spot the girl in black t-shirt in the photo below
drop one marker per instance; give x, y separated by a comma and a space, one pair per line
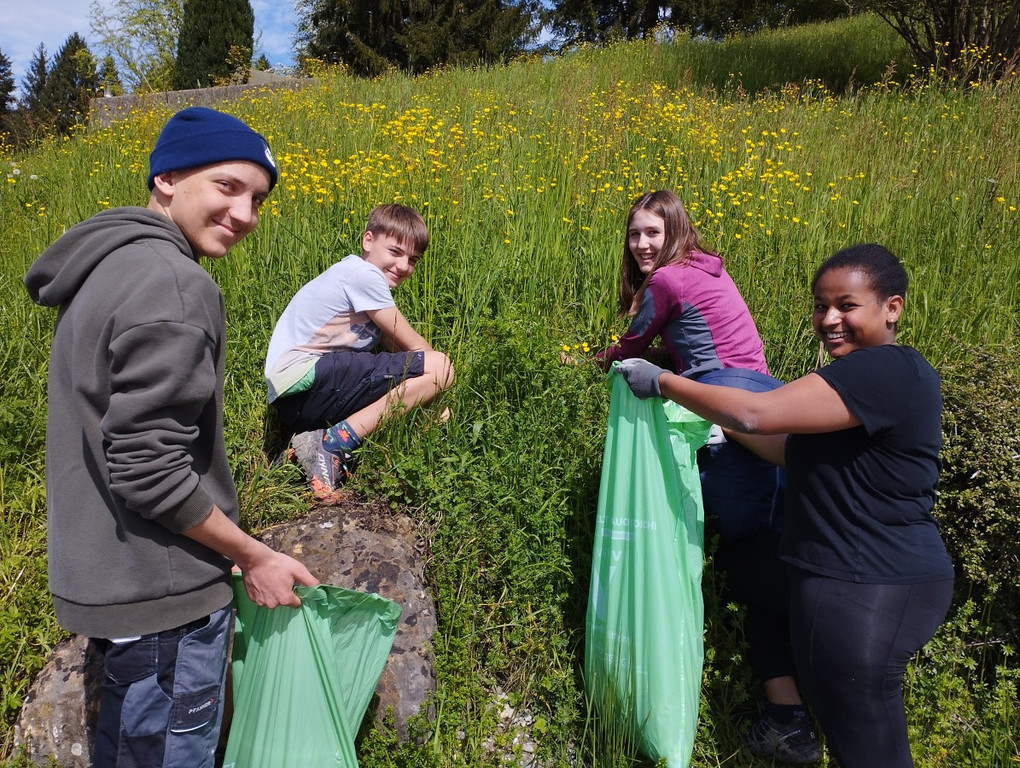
860, 439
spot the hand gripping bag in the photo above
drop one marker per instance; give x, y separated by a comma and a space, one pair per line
644, 645
303, 678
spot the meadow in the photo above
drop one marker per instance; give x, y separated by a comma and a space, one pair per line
785, 146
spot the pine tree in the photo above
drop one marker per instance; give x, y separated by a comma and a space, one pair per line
467, 32
719, 18
70, 84
7, 113
209, 30
34, 82
597, 21
6, 86
362, 34
372, 36
109, 78
492, 31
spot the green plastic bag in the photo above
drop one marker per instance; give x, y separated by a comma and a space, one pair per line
644, 646
303, 678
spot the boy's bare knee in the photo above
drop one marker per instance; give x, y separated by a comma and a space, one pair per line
439, 368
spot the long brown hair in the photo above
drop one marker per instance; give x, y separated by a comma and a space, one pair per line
680, 237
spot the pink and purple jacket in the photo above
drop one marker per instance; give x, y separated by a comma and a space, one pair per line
701, 317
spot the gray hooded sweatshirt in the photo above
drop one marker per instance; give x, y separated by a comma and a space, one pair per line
134, 441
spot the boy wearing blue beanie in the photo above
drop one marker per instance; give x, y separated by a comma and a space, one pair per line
200, 136
142, 509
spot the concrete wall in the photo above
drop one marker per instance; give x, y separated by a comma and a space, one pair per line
106, 110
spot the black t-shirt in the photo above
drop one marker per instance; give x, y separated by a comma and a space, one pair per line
859, 500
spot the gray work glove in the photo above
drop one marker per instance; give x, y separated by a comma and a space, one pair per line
641, 376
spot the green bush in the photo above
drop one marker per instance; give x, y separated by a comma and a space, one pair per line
979, 501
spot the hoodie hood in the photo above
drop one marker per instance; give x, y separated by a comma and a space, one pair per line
60, 271
709, 263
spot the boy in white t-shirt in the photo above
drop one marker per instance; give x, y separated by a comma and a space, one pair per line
321, 370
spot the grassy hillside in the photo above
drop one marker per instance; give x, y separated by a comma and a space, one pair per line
785, 147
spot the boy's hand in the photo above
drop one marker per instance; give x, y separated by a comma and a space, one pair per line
269, 576
271, 579
641, 376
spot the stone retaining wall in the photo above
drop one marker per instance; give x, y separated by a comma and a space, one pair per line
106, 110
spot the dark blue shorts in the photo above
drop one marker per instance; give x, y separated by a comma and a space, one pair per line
346, 382
743, 493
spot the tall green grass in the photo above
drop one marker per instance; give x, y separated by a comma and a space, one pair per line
524, 175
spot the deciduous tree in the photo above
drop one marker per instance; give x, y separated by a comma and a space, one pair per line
963, 38
141, 35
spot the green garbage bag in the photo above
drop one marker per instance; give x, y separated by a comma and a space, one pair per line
303, 678
643, 645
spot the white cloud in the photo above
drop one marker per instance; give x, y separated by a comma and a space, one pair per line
275, 22
49, 22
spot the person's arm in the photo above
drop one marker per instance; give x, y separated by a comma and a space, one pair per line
269, 576
163, 379
397, 333
646, 325
806, 405
771, 448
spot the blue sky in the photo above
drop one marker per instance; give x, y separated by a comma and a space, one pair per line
50, 22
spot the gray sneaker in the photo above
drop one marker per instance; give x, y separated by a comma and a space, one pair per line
333, 467
794, 742
326, 470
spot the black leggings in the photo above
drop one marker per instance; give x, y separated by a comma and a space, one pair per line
756, 577
851, 643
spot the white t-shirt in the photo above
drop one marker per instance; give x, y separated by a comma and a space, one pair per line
328, 314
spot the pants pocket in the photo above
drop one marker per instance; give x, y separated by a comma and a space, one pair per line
199, 682
193, 711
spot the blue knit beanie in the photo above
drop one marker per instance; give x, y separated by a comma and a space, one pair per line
199, 136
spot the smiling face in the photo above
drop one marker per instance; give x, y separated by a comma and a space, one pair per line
395, 258
215, 206
645, 238
849, 314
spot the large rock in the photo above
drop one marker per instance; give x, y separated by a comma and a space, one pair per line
350, 544
368, 548
59, 716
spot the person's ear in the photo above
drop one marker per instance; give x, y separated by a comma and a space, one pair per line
894, 308
164, 183
366, 240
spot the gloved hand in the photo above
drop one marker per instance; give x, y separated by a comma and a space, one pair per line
641, 376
